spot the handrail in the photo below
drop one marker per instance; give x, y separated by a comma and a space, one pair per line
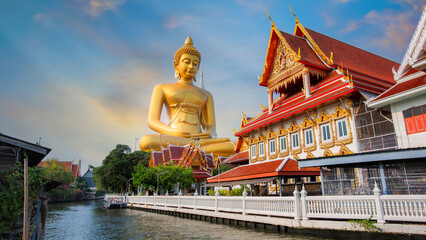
406, 208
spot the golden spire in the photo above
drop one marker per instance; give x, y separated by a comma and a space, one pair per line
188, 40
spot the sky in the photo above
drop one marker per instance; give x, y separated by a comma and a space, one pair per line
78, 75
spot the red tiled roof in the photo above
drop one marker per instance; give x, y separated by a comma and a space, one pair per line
75, 170
355, 59
175, 151
166, 155
156, 158
401, 87
66, 164
306, 53
331, 87
210, 161
238, 157
200, 174
265, 169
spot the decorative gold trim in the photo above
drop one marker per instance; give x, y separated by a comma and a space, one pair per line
327, 153
315, 47
309, 155
276, 150
345, 151
323, 119
282, 131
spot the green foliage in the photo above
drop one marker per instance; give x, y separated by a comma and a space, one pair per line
12, 194
223, 168
57, 172
367, 224
167, 175
223, 192
81, 184
118, 167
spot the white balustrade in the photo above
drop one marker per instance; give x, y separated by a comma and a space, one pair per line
407, 208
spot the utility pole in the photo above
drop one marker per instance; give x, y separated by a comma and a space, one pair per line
26, 222
136, 140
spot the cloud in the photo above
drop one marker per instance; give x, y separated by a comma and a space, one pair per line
329, 20
178, 20
342, 1
42, 19
97, 7
417, 5
392, 29
251, 6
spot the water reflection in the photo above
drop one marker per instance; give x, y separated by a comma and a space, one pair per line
89, 220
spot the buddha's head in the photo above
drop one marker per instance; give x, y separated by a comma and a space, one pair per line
187, 61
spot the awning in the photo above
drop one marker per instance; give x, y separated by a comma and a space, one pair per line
241, 182
389, 155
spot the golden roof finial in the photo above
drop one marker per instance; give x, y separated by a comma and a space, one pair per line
272, 22
297, 20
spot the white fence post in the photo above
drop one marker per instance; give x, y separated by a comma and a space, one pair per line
296, 203
244, 201
379, 205
165, 200
195, 199
180, 196
304, 193
146, 198
155, 198
215, 201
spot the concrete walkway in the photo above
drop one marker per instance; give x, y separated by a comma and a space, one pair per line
278, 224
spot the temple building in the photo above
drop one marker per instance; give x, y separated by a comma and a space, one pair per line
401, 171
318, 89
189, 155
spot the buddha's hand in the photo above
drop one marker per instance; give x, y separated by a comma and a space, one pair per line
179, 133
202, 135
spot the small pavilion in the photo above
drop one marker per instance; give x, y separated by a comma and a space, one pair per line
273, 171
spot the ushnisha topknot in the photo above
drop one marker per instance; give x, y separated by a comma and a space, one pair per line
187, 48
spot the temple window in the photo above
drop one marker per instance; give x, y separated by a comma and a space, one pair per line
374, 128
342, 128
283, 144
415, 119
272, 148
261, 149
253, 151
309, 140
325, 132
295, 140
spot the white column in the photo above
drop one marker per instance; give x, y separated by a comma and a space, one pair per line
297, 215
195, 199
306, 83
270, 100
303, 194
244, 201
379, 205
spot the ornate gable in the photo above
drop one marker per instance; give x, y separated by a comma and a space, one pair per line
285, 57
279, 56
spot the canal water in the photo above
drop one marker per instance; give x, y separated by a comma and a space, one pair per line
89, 220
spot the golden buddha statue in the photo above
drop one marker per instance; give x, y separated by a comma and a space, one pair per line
190, 109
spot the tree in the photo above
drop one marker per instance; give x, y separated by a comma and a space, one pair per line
81, 184
223, 168
117, 168
57, 172
12, 194
168, 176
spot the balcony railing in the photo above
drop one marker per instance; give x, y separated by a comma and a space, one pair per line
405, 208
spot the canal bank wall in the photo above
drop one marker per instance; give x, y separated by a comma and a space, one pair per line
320, 228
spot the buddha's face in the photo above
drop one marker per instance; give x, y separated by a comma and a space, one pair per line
188, 66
